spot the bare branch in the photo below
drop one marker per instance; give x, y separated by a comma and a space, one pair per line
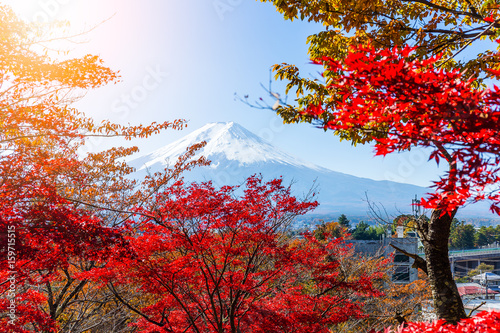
418, 263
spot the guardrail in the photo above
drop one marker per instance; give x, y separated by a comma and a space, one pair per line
460, 253
473, 252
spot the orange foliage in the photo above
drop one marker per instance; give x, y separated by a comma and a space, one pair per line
57, 209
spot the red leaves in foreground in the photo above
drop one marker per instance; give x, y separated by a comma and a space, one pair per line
399, 102
484, 322
208, 260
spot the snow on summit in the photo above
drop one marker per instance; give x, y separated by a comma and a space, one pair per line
226, 142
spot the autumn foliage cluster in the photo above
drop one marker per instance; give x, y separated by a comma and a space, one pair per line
403, 103
249, 277
484, 322
399, 102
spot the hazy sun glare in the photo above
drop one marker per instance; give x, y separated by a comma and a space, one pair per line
41, 11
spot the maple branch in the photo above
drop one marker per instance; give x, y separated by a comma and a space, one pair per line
471, 7
75, 291
419, 263
68, 38
484, 32
128, 212
443, 151
66, 135
111, 287
462, 34
67, 285
441, 46
172, 292
211, 294
50, 300
445, 9
475, 308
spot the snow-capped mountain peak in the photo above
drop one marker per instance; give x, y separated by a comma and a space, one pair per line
226, 142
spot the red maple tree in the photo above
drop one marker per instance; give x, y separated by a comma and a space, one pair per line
205, 260
399, 102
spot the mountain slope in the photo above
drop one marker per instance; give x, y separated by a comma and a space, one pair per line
237, 153
225, 142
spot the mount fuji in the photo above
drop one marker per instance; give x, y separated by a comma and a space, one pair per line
236, 153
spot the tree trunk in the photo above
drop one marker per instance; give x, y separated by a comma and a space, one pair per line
435, 235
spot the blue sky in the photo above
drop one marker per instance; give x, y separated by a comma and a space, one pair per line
186, 59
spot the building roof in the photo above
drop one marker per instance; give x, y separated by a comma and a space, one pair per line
486, 276
473, 289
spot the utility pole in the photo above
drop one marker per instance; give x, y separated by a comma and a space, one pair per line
415, 207
486, 283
